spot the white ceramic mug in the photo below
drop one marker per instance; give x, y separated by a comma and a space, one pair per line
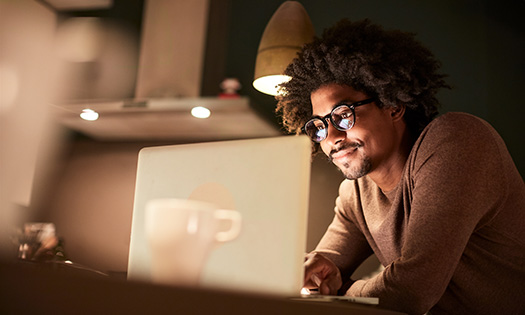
181, 234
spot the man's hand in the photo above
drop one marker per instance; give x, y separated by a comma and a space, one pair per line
321, 272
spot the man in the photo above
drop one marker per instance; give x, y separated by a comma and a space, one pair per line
439, 201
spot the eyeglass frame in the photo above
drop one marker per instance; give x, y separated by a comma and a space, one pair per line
325, 119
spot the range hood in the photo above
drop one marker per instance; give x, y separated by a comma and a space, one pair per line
167, 119
167, 79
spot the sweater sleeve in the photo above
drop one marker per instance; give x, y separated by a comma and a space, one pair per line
455, 182
343, 243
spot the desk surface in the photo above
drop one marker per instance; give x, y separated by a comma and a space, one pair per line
26, 290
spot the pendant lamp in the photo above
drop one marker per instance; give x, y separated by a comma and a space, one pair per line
287, 31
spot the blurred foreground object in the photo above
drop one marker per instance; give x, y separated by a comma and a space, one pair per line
38, 241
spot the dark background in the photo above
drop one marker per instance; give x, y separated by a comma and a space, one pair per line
480, 44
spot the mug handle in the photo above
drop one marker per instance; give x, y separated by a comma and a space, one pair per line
235, 228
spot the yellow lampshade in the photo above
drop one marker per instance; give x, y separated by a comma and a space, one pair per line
287, 31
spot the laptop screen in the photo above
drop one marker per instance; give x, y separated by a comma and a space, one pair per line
266, 180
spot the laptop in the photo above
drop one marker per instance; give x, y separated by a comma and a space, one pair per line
267, 180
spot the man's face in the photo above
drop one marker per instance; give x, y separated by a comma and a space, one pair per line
368, 145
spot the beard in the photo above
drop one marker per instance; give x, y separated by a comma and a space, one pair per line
359, 166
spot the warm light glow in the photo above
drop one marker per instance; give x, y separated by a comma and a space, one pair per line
200, 112
268, 84
89, 114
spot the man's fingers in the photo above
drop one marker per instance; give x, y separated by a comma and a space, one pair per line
329, 286
321, 273
316, 280
311, 281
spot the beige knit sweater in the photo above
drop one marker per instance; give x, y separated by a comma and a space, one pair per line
451, 235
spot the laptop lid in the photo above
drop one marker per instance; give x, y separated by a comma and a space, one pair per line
266, 180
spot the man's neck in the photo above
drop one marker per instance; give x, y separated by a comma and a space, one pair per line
388, 175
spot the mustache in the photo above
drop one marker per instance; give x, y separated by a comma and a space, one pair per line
344, 146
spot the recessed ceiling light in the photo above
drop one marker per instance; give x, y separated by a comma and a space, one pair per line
89, 114
200, 112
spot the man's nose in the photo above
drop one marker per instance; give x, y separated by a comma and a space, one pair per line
333, 135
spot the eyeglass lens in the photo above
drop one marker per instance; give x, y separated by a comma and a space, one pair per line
342, 118
316, 129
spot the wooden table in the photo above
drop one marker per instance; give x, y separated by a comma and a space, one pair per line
48, 289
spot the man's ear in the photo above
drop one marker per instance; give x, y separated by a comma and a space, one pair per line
398, 112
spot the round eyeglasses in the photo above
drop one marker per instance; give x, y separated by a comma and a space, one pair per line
342, 117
